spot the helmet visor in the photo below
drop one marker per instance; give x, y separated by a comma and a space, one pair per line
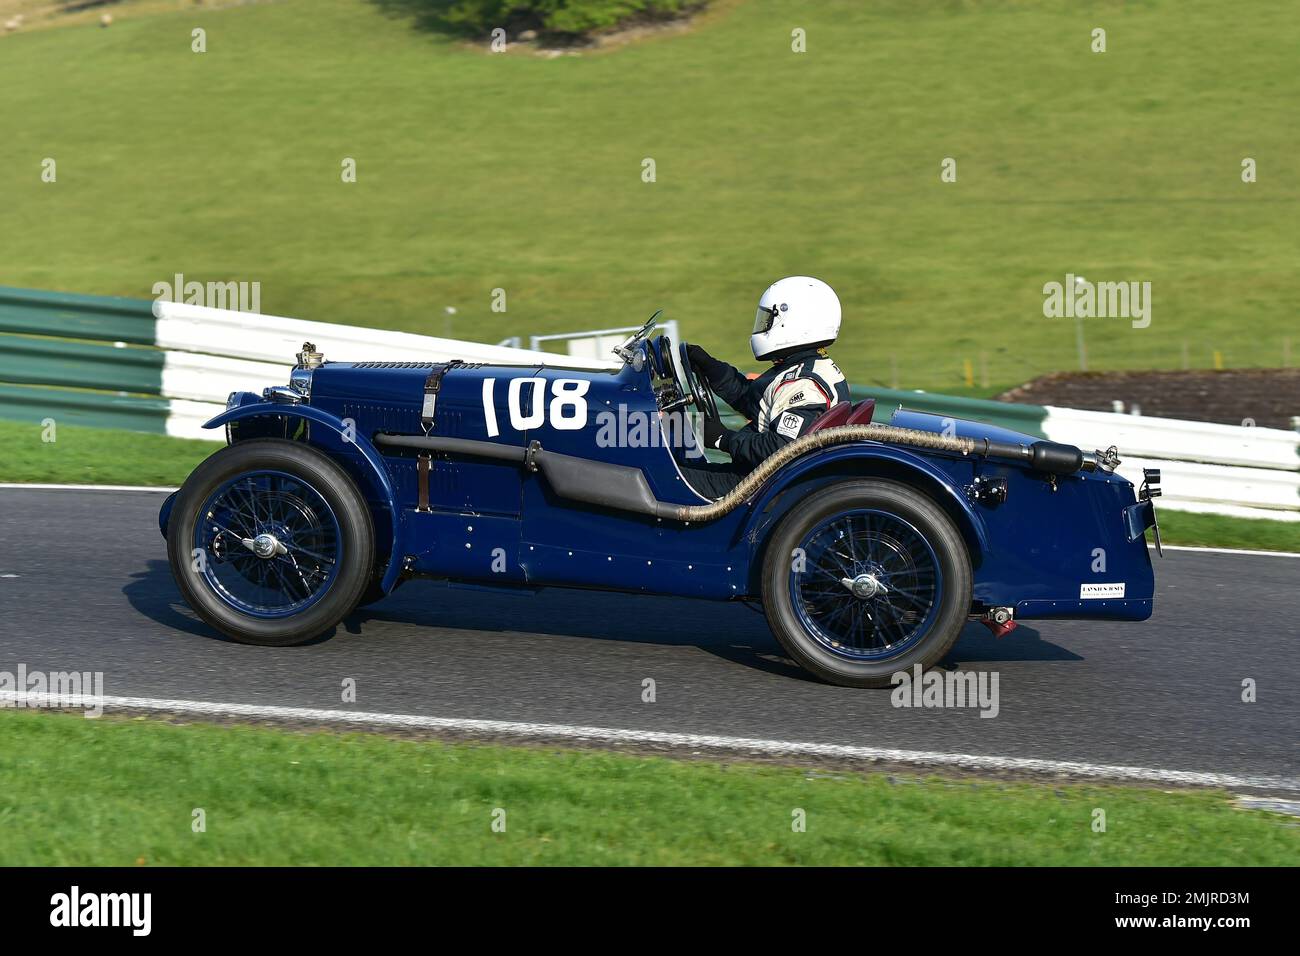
763, 321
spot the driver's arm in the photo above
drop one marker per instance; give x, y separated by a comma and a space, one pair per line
748, 447
728, 383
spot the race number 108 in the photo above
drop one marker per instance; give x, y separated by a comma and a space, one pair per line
566, 410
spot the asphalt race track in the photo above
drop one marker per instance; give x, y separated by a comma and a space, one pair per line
84, 585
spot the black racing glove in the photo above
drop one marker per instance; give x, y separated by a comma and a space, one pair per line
717, 435
704, 363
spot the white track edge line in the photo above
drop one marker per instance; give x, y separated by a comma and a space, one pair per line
1265, 554
42, 487
707, 741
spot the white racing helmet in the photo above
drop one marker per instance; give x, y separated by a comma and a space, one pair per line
797, 312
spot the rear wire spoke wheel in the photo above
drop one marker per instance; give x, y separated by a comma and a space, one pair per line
271, 542
866, 578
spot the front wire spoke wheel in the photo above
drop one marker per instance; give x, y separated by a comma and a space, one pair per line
272, 542
278, 513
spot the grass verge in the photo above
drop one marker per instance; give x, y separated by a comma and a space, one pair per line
1221, 531
123, 791
81, 455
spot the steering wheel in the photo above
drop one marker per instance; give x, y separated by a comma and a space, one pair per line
694, 386
691, 390
659, 350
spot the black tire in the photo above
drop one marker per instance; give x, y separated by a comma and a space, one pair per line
355, 533
951, 606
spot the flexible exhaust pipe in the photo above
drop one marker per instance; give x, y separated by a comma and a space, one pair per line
1042, 456
625, 488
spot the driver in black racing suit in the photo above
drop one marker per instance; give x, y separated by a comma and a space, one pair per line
797, 318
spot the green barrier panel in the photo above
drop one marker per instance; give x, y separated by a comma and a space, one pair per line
102, 318
34, 361
1020, 418
96, 409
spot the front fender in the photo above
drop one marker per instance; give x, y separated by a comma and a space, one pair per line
867, 459
362, 444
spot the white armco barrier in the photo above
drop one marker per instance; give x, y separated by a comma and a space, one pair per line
213, 352
276, 339
185, 419
210, 378
1175, 439
1206, 467
1221, 489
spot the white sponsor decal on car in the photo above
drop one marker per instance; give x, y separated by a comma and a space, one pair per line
789, 425
1089, 592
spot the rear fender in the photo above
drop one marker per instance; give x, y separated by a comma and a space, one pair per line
860, 460
373, 471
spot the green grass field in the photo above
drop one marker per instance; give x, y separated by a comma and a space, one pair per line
479, 171
97, 456
104, 456
124, 792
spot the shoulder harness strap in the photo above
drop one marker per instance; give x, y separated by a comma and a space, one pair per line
432, 384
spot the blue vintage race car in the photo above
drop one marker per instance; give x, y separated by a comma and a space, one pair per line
868, 545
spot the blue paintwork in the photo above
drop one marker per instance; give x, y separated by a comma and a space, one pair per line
494, 523
943, 478
959, 427
356, 454
165, 512
1044, 541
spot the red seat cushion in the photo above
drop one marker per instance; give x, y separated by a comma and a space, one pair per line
832, 417
845, 413
862, 412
